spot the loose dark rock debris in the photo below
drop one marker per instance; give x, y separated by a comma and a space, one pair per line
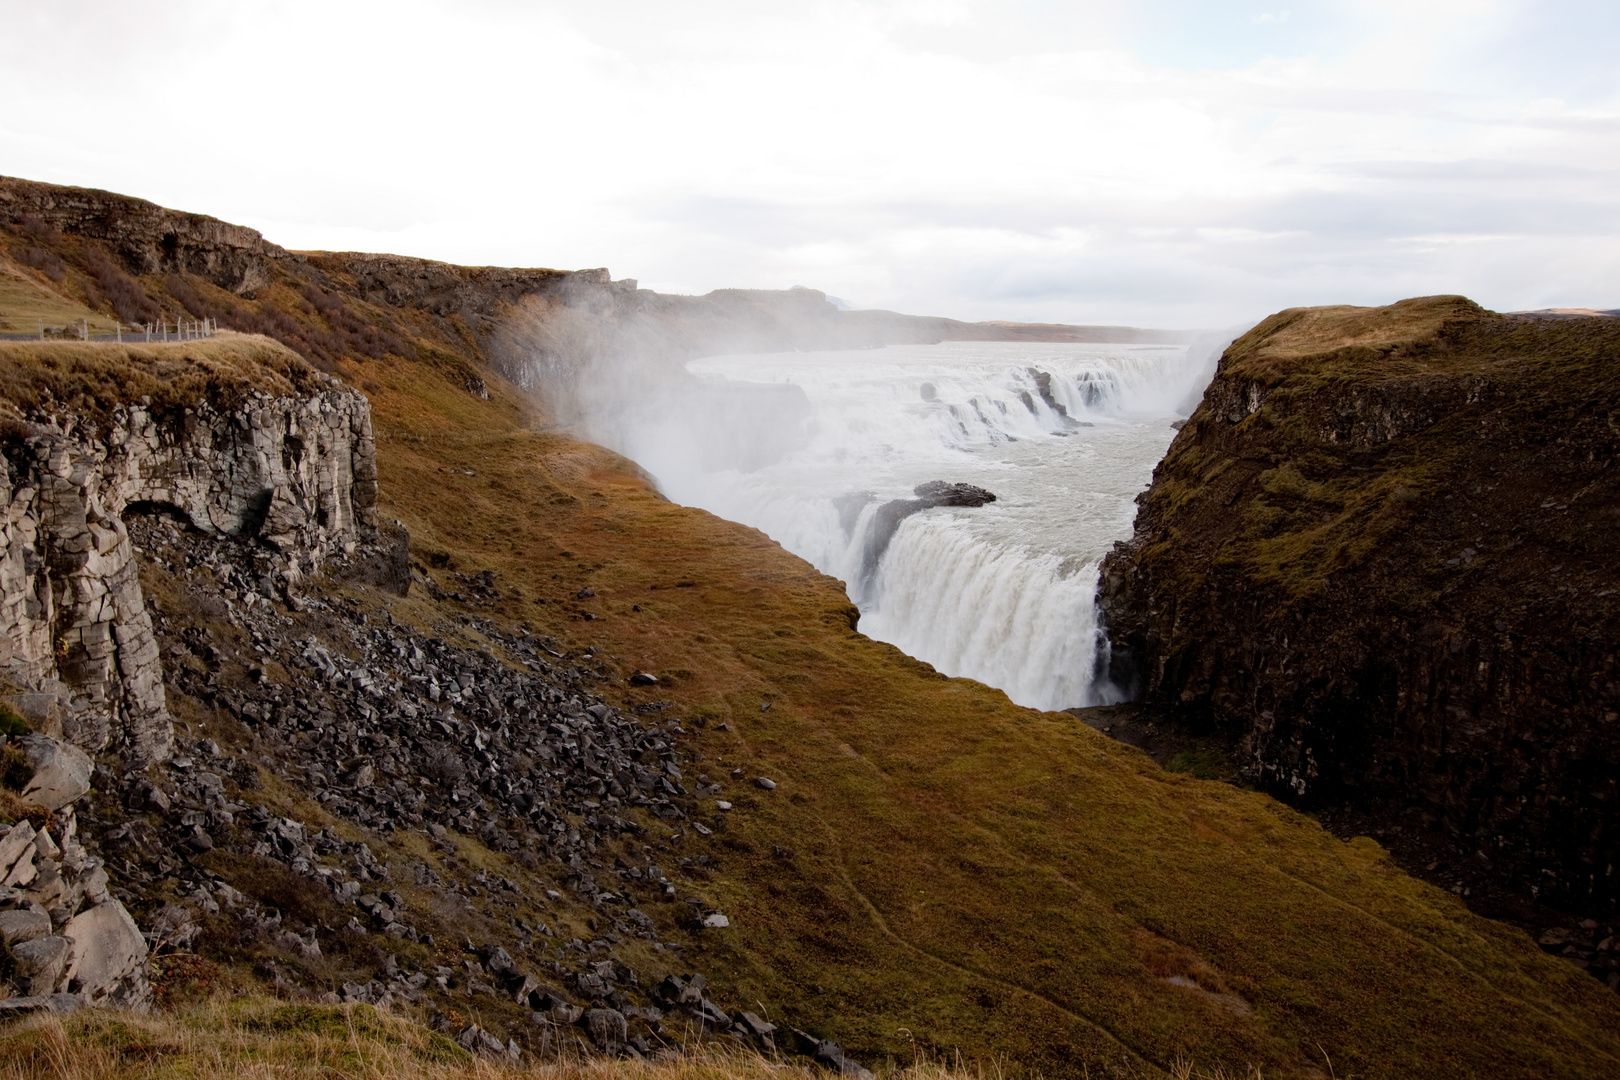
398, 733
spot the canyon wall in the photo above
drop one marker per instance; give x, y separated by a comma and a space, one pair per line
1382, 558
296, 470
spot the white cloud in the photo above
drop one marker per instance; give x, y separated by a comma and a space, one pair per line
1166, 161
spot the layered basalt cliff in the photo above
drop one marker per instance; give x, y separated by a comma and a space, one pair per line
148, 238
295, 469
1382, 557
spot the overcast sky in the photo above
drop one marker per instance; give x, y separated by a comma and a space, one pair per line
1163, 162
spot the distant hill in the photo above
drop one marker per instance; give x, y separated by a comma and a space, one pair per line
1569, 313
153, 242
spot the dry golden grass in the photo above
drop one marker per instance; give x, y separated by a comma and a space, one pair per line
26, 304
1298, 332
90, 378
264, 1037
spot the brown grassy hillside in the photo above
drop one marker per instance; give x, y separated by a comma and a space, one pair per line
937, 860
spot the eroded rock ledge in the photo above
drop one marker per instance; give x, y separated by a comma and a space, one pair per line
297, 471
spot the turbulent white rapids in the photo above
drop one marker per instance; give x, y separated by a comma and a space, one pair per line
1064, 435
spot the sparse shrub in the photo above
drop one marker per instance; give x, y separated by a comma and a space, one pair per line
15, 768
12, 725
350, 333
190, 299
298, 898
327, 303
36, 228
444, 765
46, 262
128, 298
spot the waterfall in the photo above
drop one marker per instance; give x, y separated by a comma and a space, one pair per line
810, 447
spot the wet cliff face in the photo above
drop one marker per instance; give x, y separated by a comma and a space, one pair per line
1382, 557
296, 471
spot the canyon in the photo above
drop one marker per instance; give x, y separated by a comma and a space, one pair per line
480, 728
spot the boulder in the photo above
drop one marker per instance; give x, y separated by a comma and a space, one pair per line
23, 924
33, 1003
750, 1026
478, 1041
44, 710
608, 1028
14, 845
498, 960
23, 871
38, 964
830, 1055
107, 947
61, 772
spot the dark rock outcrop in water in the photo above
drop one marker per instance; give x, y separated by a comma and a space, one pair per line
892, 513
1382, 558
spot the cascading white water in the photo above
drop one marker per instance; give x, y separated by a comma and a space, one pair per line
1064, 435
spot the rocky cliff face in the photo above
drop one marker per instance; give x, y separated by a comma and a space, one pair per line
148, 238
298, 472
1382, 558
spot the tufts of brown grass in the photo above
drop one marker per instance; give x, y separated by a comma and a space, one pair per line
28, 304
256, 1036
92, 378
